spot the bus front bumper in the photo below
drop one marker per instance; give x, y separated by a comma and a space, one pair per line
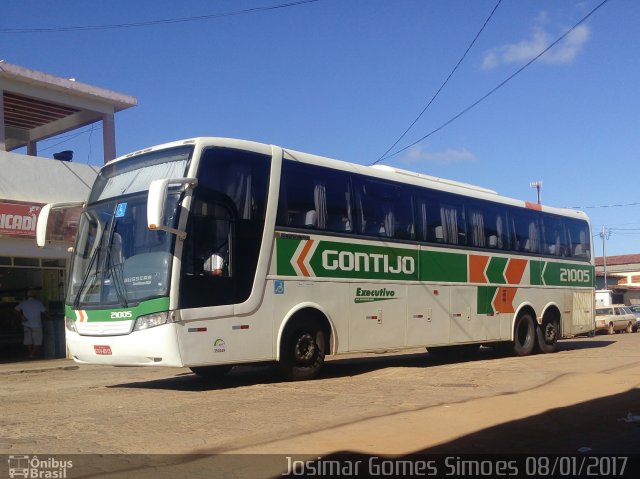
150, 347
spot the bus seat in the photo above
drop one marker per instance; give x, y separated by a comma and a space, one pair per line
439, 233
306, 219
339, 224
311, 219
372, 228
493, 241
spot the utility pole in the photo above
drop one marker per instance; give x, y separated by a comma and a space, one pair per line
538, 186
604, 234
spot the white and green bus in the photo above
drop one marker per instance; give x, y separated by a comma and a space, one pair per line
212, 252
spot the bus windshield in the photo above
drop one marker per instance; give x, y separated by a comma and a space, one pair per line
118, 260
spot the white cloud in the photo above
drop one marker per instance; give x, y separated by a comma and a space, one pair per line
525, 50
416, 154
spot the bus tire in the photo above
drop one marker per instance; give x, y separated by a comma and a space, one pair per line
547, 336
302, 351
524, 335
211, 372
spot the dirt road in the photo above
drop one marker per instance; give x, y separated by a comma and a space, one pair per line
399, 403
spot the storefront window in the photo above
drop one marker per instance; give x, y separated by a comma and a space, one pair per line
35, 262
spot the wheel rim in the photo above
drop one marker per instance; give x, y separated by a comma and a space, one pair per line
550, 333
305, 350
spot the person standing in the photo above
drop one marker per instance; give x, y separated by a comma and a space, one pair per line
31, 311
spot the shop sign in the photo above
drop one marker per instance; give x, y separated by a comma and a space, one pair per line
18, 219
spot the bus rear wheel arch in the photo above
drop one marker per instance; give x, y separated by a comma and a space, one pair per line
304, 345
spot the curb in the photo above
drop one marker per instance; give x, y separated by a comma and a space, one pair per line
22, 368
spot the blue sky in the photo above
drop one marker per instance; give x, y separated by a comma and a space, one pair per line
345, 78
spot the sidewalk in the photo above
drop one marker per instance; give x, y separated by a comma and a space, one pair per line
38, 366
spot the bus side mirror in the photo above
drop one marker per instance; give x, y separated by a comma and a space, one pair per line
41, 228
43, 233
157, 201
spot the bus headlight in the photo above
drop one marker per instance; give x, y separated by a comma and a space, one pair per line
70, 324
151, 320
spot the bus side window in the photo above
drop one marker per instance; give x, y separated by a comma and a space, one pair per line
314, 198
578, 242
554, 236
385, 209
526, 231
430, 227
477, 230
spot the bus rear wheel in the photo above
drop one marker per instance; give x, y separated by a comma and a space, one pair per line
524, 337
547, 336
302, 351
211, 372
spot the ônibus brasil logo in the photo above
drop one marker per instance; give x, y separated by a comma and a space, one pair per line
35, 467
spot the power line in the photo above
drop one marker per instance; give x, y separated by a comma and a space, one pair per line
602, 206
68, 138
154, 22
71, 135
495, 89
443, 84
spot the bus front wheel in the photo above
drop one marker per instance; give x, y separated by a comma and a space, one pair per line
547, 336
524, 337
302, 351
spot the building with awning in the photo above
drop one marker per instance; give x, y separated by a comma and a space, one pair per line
623, 277
35, 106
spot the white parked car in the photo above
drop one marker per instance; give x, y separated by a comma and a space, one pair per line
614, 318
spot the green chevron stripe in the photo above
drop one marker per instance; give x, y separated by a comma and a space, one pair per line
485, 299
495, 270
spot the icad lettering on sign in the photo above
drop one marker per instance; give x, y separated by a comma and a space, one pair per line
18, 219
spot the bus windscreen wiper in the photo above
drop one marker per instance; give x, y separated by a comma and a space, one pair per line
87, 273
119, 286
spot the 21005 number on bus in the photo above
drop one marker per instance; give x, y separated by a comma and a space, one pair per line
568, 275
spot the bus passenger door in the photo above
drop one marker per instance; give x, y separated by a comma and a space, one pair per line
428, 315
208, 264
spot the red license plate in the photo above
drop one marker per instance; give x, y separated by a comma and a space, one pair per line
104, 350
